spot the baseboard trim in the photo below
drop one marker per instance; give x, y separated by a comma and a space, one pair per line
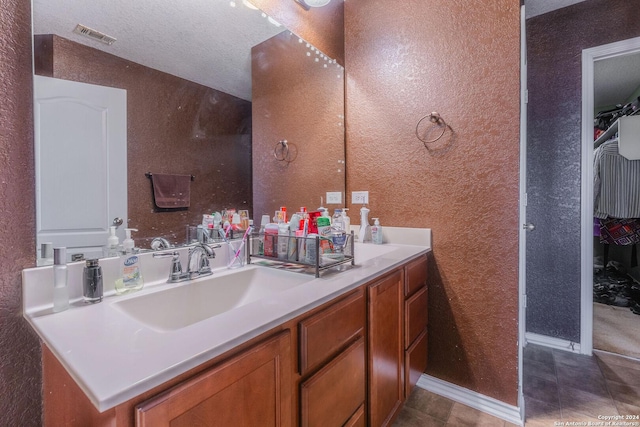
473, 399
551, 342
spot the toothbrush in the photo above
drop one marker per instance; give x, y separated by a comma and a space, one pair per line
244, 239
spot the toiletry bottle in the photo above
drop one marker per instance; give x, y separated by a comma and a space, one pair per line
283, 240
130, 276
376, 232
92, 282
336, 221
324, 226
60, 290
271, 240
112, 242
364, 233
346, 220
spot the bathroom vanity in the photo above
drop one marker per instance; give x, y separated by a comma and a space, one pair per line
343, 349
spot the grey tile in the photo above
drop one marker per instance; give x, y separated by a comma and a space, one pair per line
464, 416
543, 370
540, 389
628, 409
538, 354
577, 417
624, 393
621, 374
573, 360
409, 417
429, 403
540, 413
575, 401
582, 379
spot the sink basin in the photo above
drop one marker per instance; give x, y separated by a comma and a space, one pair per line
190, 303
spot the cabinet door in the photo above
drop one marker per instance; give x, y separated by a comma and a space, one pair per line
334, 394
250, 389
415, 362
415, 316
386, 352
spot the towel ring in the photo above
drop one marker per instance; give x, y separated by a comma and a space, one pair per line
437, 120
282, 151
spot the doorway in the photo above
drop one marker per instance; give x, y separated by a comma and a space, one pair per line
590, 58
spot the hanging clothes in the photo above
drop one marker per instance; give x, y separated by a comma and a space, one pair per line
616, 183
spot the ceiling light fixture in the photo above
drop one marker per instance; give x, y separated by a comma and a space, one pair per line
307, 4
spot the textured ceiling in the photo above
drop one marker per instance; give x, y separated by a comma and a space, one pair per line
538, 7
204, 41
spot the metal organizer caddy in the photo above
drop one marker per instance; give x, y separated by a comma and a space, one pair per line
321, 263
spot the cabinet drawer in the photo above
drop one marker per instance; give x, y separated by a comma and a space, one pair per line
332, 395
415, 316
325, 333
415, 362
416, 276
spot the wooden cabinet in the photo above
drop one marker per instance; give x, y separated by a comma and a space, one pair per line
386, 348
250, 389
332, 364
415, 322
349, 362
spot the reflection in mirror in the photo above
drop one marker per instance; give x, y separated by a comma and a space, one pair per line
186, 70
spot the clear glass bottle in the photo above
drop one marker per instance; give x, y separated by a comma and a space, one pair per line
60, 290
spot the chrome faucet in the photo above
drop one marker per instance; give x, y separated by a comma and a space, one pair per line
160, 243
197, 266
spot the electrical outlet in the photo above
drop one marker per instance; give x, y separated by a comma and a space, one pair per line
334, 198
360, 197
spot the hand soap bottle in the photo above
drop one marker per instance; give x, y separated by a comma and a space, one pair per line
112, 243
131, 277
376, 232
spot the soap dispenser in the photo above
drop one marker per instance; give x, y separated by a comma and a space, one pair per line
365, 229
346, 220
112, 242
376, 232
130, 276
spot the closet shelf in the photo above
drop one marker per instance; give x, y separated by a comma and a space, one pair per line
607, 134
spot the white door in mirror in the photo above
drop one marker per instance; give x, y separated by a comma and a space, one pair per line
81, 163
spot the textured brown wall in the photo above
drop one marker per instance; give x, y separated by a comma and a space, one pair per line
460, 58
321, 26
298, 99
173, 126
20, 378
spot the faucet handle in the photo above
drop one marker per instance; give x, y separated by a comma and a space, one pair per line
176, 267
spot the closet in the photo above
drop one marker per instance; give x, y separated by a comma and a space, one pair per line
616, 185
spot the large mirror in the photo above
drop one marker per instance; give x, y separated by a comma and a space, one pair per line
190, 110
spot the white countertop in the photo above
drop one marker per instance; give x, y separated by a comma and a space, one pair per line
113, 357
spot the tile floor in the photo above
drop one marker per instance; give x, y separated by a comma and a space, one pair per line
558, 386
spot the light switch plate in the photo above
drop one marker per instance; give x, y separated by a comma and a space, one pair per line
334, 198
360, 197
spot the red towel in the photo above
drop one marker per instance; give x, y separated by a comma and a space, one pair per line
171, 191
